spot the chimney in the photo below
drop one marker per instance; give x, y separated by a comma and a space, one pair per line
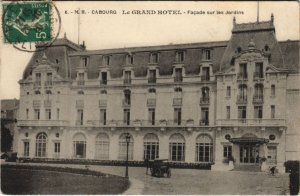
272, 18
83, 45
234, 21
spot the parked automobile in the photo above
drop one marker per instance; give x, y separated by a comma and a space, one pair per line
9, 156
160, 168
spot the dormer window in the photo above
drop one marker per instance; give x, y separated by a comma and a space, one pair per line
207, 54
129, 59
84, 61
239, 49
180, 56
154, 58
56, 60
106, 60
178, 75
266, 47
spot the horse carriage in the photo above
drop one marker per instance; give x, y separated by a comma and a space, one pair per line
160, 168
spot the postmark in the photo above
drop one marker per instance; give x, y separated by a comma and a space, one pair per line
30, 26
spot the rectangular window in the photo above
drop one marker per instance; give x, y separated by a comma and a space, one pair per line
37, 114
227, 112
152, 76
104, 78
106, 60
258, 110
129, 59
242, 112
56, 149
228, 92
179, 56
272, 111
26, 149
49, 77
84, 61
27, 114
127, 116
48, 114
178, 75
127, 79
103, 116
81, 76
57, 113
258, 70
227, 151
177, 116
154, 58
204, 116
127, 97
38, 77
207, 55
152, 116
205, 74
273, 90
79, 117
243, 71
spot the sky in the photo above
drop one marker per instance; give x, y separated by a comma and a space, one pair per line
100, 31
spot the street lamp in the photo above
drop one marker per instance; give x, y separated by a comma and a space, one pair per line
127, 137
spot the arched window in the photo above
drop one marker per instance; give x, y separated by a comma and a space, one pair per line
37, 92
272, 90
79, 146
177, 147
204, 149
102, 147
48, 92
41, 145
151, 146
123, 147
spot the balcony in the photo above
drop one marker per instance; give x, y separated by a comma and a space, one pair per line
151, 80
43, 123
103, 82
103, 103
126, 103
36, 103
178, 79
80, 82
79, 122
48, 83
242, 76
241, 99
258, 99
96, 123
177, 101
151, 102
258, 76
205, 78
79, 104
251, 122
204, 101
37, 84
47, 103
204, 122
127, 81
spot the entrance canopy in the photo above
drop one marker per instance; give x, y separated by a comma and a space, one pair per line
251, 140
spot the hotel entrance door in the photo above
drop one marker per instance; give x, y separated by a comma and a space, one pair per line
249, 153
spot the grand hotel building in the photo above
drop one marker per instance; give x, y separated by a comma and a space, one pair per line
199, 102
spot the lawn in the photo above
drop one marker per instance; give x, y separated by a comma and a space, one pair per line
25, 181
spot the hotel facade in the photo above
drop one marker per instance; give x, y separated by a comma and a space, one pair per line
196, 103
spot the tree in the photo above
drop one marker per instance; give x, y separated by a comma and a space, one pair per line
6, 137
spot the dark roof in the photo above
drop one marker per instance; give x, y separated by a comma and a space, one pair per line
290, 51
255, 26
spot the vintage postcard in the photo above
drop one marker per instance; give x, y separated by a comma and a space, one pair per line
150, 98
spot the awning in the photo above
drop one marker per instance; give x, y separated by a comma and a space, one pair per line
251, 140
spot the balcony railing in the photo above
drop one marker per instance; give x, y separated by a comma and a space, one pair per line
126, 103
242, 76
48, 83
178, 79
258, 75
80, 82
251, 122
258, 99
47, 103
203, 122
36, 103
204, 100
37, 84
103, 82
127, 81
177, 101
205, 78
152, 80
58, 123
241, 99
103, 103
151, 102
79, 122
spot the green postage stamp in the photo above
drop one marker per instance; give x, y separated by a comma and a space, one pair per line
26, 22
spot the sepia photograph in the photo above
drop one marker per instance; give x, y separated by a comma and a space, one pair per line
150, 98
